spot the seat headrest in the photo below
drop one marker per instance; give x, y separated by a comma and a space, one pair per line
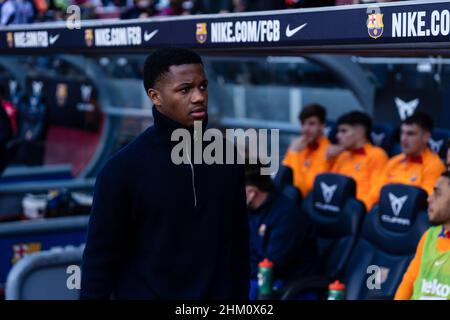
400, 205
284, 177
438, 141
331, 191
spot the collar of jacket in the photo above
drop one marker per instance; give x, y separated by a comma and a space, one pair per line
272, 196
165, 126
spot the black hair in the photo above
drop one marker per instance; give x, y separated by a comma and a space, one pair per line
357, 118
422, 119
254, 177
159, 62
313, 110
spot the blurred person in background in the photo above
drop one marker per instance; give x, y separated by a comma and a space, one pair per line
428, 275
447, 160
417, 165
140, 9
212, 6
306, 155
263, 5
17, 12
309, 3
8, 127
175, 8
355, 156
278, 232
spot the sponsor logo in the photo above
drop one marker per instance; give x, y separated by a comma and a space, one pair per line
375, 25
21, 250
328, 191
89, 37
31, 39
119, 36
419, 24
378, 138
436, 145
149, 36
245, 31
439, 263
52, 39
37, 87
61, 94
327, 194
435, 288
406, 109
291, 32
397, 203
201, 33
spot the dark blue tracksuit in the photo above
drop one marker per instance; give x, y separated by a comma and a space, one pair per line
280, 232
165, 231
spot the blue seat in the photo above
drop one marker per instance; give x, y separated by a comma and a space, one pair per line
331, 131
46, 275
284, 181
439, 141
388, 241
383, 135
337, 216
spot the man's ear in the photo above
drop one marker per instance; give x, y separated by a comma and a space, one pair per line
154, 96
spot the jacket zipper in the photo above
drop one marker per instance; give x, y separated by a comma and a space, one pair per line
193, 174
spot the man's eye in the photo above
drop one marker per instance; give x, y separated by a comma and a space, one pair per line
184, 90
203, 86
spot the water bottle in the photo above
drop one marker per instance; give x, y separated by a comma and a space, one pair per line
265, 278
336, 291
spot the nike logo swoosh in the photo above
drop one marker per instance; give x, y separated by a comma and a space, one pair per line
290, 33
439, 263
148, 36
53, 39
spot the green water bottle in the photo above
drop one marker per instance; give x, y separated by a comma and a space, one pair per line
265, 278
336, 291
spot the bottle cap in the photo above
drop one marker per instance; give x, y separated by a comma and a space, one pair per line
336, 286
266, 263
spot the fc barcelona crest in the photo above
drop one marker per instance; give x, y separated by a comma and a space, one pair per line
375, 25
202, 33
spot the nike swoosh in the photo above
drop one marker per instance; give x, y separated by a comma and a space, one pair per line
290, 33
439, 263
53, 39
148, 36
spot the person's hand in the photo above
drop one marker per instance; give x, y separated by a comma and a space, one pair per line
333, 151
299, 144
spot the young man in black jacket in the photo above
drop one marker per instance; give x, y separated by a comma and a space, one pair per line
160, 230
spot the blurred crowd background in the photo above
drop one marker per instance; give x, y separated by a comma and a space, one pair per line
29, 11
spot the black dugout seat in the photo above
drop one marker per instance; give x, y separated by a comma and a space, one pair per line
388, 241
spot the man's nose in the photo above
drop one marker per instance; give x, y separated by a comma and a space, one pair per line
198, 96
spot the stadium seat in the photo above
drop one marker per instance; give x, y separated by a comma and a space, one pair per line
383, 135
438, 141
46, 276
283, 177
330, 131
388, 241
337, 215
283, 181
